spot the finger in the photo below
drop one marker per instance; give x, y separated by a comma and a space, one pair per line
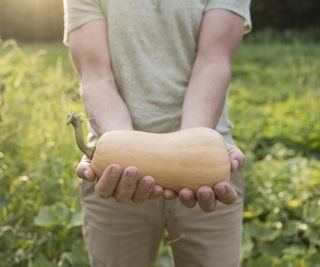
156, 192
127, 185
85, 159
108, 181
235, 165
206, 198
144, 188
85, 171
241, 158
237, 158
225, 193
187, 197
169, 194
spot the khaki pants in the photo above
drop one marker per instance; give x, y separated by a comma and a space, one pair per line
128, 235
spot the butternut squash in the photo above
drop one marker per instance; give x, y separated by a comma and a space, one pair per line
186, 158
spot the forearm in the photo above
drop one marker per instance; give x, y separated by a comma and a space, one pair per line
206, 93
220, 35
102, 102
104, 107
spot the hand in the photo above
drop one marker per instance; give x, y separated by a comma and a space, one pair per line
207, 196
120, 183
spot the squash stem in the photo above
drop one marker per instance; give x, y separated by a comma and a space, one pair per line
76, 121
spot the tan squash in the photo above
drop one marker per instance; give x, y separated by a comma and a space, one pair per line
187, 158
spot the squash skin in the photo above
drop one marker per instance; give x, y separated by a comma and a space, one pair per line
186, 158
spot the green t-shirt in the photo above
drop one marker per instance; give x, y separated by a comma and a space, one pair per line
153, 46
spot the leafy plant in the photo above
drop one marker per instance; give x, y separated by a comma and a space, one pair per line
274, 102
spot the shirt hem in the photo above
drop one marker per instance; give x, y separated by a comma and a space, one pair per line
71, 27
235, 9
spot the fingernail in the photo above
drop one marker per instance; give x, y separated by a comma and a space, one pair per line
235, 164
205, 195
131, 174
114, 172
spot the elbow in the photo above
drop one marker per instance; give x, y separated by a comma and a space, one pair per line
93, 87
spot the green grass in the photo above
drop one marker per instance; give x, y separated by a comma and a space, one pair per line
274, 104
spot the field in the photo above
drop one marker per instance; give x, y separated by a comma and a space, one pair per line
274, 105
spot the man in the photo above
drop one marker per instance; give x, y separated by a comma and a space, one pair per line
157, 66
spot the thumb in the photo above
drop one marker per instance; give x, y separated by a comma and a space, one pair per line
85, 171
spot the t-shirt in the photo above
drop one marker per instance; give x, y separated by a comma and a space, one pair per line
153, 45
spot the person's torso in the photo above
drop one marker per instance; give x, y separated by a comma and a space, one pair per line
153, 44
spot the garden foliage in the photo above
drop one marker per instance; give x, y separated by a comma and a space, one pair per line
274, 104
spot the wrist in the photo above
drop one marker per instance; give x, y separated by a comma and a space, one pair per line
102, 126
204, 118
104, 107
114, 127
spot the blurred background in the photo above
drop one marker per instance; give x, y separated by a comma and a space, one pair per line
274, 105
39, 20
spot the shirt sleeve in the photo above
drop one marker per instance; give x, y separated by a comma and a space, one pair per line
79, 12
240, 7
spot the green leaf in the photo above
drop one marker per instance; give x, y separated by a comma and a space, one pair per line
313, 257
273, 249
313, 235
252, 210
76, 220
311, 212
262, 231
79, 254
42, 261
54, 215
290, 228
247, 247
294, 250
262, 261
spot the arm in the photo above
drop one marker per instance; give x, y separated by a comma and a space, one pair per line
220, 35
102, 102
107, 111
